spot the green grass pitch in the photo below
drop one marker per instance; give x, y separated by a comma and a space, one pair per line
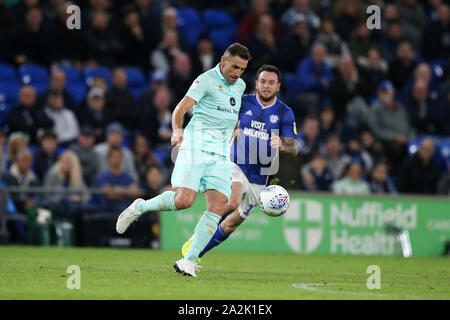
40, 273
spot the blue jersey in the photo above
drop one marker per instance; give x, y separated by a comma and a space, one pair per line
252, 152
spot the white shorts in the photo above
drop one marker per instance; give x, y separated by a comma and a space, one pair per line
250, 191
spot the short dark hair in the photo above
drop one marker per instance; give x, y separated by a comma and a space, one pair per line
237, 49
269, 68
114, 149
49, 134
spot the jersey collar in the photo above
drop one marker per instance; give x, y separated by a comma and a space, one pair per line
260, 104
219, 73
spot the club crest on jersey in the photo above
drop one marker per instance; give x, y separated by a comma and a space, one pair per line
232, 101
273, 118
194, 84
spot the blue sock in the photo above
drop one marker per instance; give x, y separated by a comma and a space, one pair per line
218, 237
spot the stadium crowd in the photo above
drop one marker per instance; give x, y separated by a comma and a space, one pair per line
91, 107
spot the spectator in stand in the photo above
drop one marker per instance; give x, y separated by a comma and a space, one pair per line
336, 47
297, 45
103, 47
158, 80
26, 116
3, 153
371, 145
419, 173
57, 84
413, 20
347, 14
328, 123
84, 149
162, 57
6, 20
389, 41
150, 20
17, 141
373, 70
379, 180
71, 46
45, 155
352, 182
120, 101
427, 115
152, 187
154, 180
66, 174
136, 37
157, 127
444, 184
402, 67
435, 44
315, 175
114, 139
313, 79
263, 45
247, 25
335, 158
423, 72
204, 57
123, 186
360, 42
21, 175
144, 158
94, 114
309, 138
300, 7
30, 42
181, 76
389, 121
65, 123
348, 92
358, 154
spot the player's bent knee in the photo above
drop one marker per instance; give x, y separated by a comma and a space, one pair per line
184, 200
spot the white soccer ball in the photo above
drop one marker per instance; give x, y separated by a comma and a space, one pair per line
274, 200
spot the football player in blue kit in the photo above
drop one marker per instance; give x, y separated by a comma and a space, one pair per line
266, 127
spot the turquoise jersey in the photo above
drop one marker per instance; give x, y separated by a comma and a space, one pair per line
215, 114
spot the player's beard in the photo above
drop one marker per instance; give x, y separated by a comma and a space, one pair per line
266, 98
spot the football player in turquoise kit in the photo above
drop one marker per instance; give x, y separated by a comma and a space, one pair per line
203, 163
266, 126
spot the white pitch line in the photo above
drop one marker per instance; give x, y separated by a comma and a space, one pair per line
312, 287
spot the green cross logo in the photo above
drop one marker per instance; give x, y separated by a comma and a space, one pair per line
302, 225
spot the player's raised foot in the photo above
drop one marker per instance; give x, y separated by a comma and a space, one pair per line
186, 246
128, 216
185, 267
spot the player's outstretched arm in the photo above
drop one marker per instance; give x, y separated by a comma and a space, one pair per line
177, 119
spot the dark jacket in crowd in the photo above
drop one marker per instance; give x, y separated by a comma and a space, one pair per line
415, 177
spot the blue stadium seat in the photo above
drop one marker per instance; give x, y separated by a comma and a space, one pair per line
9, 93
217, 19
190, 25
136, 81
91, 72
72, 74
222, 38
7, 73
77, 90
34, 75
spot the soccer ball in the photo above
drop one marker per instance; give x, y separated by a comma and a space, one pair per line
274, 200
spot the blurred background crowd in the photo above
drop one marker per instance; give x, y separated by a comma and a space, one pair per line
91, 108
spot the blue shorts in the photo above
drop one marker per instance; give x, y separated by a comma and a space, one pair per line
201, 170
